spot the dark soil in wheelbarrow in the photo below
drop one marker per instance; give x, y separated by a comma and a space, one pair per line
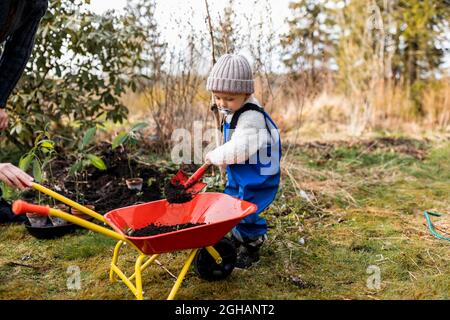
154, 229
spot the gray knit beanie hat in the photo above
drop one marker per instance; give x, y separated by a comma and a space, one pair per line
231, 73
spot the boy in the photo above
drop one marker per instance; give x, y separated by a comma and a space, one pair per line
251, 152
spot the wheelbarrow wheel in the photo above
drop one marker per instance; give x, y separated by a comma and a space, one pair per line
207, 268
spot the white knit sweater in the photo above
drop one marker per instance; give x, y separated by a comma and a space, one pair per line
249, 136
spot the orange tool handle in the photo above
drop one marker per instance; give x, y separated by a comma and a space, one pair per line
21, 207
196, 176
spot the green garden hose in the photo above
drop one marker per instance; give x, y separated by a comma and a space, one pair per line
427, 215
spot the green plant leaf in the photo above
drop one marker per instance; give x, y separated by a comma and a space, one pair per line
96, 162
150, 181
47, 144
25, 161
7, 191
120, 139
37, 171
92, 93
87, 139
138, 126
38, 138
76, 167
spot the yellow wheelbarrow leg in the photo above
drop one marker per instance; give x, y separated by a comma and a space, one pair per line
136, 289
145, 265
213, 252
125, 280
182, 274
119, 245
137, 271
21, 207
112, 276
139, 267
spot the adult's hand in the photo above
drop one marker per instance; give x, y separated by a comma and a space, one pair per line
14, 177
3, 119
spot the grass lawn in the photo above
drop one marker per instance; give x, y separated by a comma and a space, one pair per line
346, 213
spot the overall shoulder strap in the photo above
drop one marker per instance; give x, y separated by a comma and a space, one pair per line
237, 114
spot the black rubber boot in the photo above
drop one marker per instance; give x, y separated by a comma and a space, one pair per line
247, 256
247, 249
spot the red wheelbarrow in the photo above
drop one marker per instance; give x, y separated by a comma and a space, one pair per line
213, 255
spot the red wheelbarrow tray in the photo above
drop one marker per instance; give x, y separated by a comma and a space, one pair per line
219, 212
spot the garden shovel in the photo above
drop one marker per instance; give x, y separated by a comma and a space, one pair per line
191, 184
181, 188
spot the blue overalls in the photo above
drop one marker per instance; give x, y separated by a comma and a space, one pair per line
258, 182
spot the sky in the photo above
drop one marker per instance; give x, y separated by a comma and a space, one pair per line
168, 11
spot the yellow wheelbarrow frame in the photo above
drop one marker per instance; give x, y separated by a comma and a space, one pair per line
143, 261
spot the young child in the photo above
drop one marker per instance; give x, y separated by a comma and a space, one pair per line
251, 152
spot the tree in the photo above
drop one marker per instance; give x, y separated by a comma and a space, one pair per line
421, 25
414, 33
82, 63
310, 41
154, 49
227, 39
170, 82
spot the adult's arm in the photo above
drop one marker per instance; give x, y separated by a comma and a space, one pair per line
18, 47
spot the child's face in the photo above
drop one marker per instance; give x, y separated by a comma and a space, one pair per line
230, 101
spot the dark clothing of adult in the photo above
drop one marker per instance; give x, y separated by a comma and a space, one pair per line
19, 21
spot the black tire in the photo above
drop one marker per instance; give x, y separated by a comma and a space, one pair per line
208, 269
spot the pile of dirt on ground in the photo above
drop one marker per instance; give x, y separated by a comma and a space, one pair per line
107, 190
411, 147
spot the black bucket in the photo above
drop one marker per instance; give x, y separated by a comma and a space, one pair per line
49, 231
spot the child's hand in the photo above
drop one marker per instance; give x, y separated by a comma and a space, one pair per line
207, 159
